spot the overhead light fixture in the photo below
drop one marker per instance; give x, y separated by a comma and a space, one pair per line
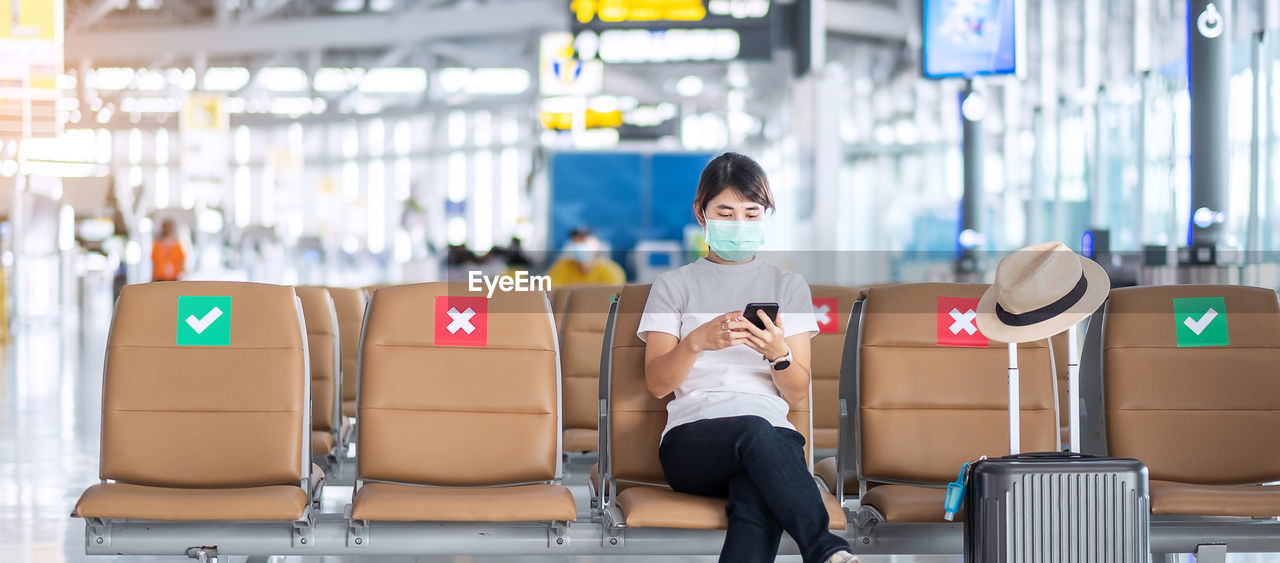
672, 45
330, 79
147, 79
111, 78
484, 81
348, 6
690, 86
292, 106
394, 80
153, 104
283, 79
973, 108
225, 78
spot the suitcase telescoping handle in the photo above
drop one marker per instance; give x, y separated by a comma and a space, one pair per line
1073, 395
1015, 403
1050, 455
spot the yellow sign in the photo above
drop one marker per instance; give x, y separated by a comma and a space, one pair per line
638, 10
30, 64
205, 112
563, 121
29, 19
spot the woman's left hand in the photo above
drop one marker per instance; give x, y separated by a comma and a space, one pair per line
770, 342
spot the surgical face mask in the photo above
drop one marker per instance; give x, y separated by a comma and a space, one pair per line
735, 241
582, 252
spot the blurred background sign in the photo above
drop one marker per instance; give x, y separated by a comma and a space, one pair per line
205, 140
30, 64
562, 71
657, 31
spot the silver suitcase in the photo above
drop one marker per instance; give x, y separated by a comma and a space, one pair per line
1057, 507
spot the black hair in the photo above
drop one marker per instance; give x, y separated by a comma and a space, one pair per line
582, 231
732, 171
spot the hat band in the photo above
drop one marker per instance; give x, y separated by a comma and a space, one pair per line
1048, 311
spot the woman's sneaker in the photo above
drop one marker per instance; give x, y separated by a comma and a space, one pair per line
842, 557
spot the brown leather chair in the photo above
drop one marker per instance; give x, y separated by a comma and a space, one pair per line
459, 433
349, 304
559, 297
827, 349
581, 337
1205, 420
636, 420
204, 432
922, 410
326, 385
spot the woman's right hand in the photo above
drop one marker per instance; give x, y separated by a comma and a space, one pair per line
719, 333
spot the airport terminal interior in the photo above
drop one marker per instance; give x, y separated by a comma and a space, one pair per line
385, 280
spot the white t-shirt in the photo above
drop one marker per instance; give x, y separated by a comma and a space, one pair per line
733, 381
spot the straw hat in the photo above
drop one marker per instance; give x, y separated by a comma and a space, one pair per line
1040, 291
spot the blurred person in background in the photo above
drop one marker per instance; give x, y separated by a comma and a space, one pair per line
584, 263
167, 257
512, 258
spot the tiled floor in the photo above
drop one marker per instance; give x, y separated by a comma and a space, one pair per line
50, 395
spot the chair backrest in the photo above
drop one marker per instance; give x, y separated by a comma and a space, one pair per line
636, 419
559, 297
349, 304
581, 336
925, 408
457, 389
1196, 408
323, 347
1060, 360
205, 386
831, 304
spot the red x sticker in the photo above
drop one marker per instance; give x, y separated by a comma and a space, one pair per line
461, 321
957, 322
824, 308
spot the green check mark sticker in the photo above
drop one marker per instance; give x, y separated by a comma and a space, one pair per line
1200, 321
204, 320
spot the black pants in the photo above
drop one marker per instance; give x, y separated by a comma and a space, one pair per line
761, 469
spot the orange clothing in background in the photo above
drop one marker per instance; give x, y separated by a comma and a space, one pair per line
167, 260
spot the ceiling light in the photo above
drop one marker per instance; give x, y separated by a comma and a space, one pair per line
395, 80
283, 79
111, 78
225, 79
337, 79
689, 86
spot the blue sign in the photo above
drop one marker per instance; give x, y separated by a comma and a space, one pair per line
970, 37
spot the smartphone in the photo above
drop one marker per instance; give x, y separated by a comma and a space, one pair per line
770, 309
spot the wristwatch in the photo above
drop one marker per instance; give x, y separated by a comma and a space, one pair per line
781, 363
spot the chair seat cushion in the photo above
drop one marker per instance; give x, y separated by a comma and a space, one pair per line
580, 440
825, 469
651, 507
826, 438
122, 500
906, 503
408, 503
349, 407
1252, 501
322, 442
